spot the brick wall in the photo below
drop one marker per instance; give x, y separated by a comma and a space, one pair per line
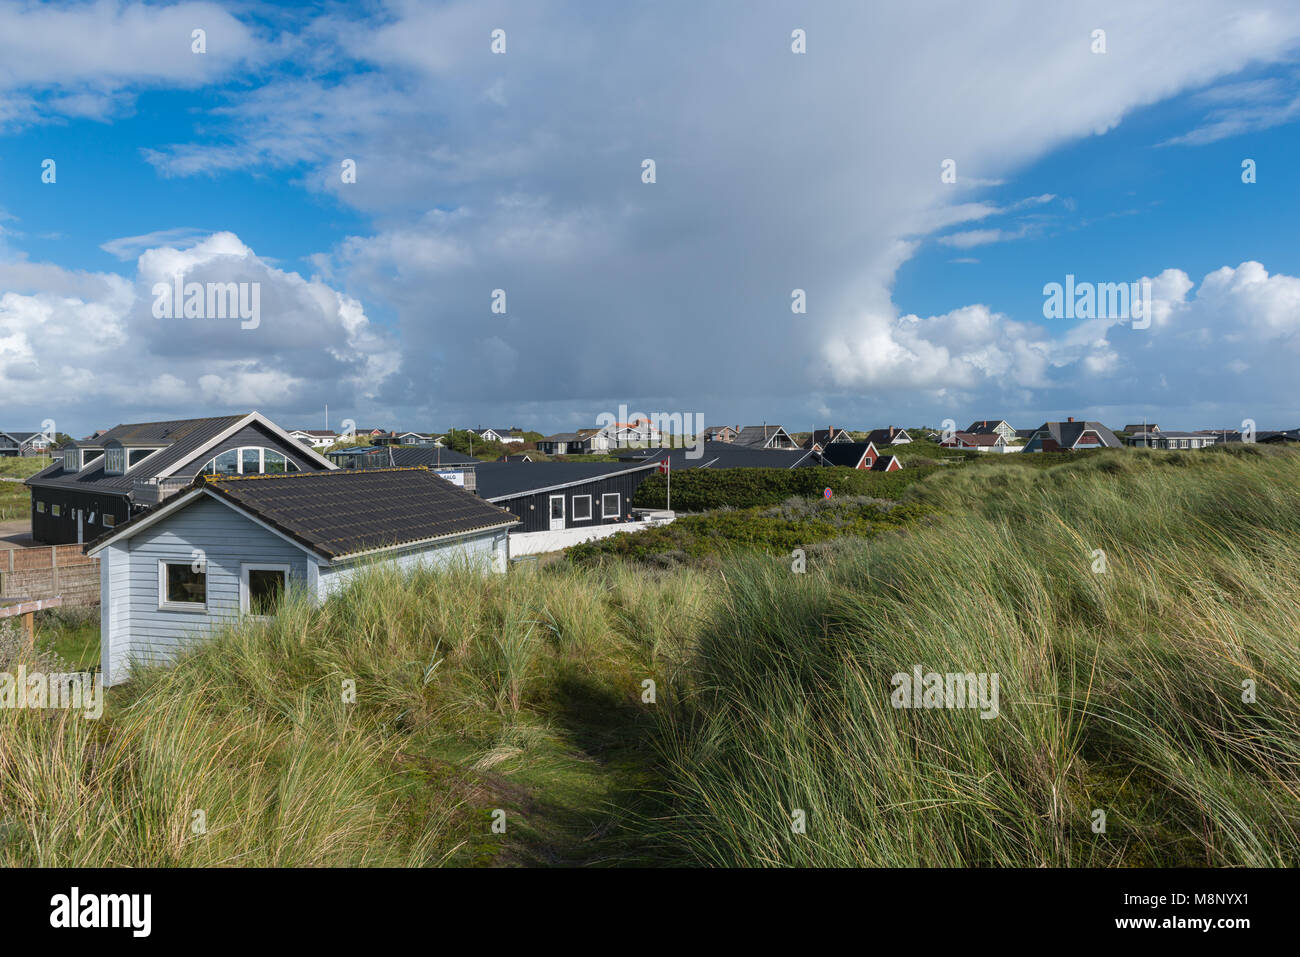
48, 570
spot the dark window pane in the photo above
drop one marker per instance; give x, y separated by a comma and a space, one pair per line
265, 590
227, 463
252, 461
184, 584
273, 461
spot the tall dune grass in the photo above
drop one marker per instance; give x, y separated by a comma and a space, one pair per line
1121, 691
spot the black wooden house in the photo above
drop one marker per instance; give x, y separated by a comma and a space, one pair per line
97, 484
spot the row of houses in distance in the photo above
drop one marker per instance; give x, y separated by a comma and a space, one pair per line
267, 513
14, 443
324, 438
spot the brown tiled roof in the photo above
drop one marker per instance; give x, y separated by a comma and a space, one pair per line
344, 512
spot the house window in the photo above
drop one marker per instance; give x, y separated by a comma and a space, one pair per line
182, 586
250, 460
109, 520
56, 511
115, 461
136, 456
262, 588
40, 507
582, 508
609, 505
71, 461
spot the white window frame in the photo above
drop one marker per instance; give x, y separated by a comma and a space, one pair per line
110, 461
40, 508
109, 520
575, 516
209, 467
126, 461
245, 568
56, 510
188, 606
618, 507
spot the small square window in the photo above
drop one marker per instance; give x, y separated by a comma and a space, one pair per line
582, 508
40, 507
609, 505
109, 520
181, 585
262, 589
56, 511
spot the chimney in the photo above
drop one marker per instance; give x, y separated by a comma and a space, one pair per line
1069, 418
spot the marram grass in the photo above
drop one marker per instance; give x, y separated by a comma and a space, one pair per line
1141, 612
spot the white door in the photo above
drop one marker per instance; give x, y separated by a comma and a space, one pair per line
557, 512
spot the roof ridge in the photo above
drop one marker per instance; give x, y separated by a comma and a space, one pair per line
211, 478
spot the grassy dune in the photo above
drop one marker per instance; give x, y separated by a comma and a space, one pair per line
1120, 691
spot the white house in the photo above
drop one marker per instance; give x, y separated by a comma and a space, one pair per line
316, 438
505, 436
233, 546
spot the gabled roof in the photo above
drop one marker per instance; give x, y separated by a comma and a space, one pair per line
826, 437
977, 439
1142, 427
18, 437
847, 453
339, 514
984, 426
883, 463
181, 441
882, 437
498, 481
1067, 434
761, 436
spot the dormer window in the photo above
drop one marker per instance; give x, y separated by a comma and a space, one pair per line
115, 461
136, 456
72, 460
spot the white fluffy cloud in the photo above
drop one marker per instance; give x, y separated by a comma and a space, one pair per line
87, 60
1200, 342
776, 171
92, 340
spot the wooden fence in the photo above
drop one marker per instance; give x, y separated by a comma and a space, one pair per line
44, 571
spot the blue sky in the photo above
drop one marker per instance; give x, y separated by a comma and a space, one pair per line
775, 171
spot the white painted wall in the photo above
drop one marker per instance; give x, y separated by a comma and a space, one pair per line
537, 543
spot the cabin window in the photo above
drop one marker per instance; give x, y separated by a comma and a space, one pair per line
90, 455
262, 588
183, 586
56, 511
40, 507
582, 508
250, 460
115, 461
609, 505
136, 456
109, 520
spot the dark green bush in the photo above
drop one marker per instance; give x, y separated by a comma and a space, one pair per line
775, 529
699, 490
